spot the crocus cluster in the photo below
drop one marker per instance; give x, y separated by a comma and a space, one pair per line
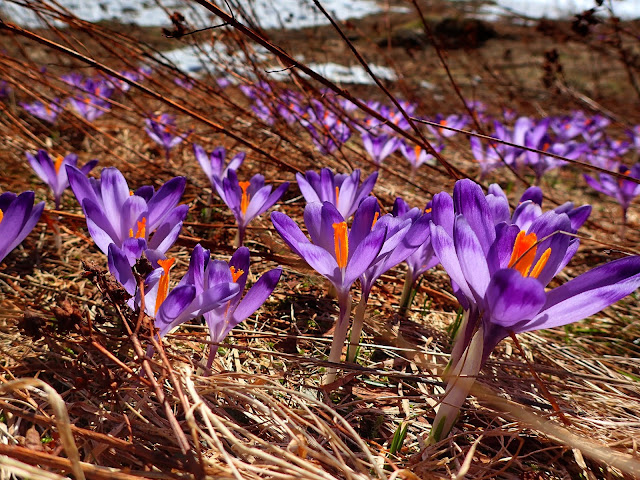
623, 190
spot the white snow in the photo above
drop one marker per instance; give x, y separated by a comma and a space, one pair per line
268, 13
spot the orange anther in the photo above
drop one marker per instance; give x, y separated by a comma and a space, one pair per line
1, 215
341, 243
235, 274
417, 150
337, 195
163, 284
524, 252
58, 164
244, 201
542, 261
375, 218
427, 210
141, 231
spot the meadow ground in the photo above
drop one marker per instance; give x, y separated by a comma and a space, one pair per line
115, 413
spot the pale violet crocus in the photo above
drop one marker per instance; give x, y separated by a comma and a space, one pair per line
45, 111
54, 173
162, 130
404, 235
336, 252
418, 156
420, 260
379, 145
624, 191
341, 190
500, 273
248, 199
204, 272
191, 298
213, 164
140, 221
18, 216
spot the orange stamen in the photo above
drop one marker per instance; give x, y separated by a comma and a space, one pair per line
427, 210
58, 164
235, 274
163, 285
375, 218
1, 215
542, 261
337, 195
545, 147
417, 149
341, 243
244, 201
524, 252
141, 232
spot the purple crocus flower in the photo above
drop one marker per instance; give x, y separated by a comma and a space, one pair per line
186, 83
488, 158
501, 272
89, 107
624, 191
336, 252
341, 190
404, 235
236, 309
191, 298
18, 216
53, 173
418, 156
162, 130
249, 199
421, 259
144, 221
47, 112
327, 131
121, 85
213, 164
453, 121
379, 146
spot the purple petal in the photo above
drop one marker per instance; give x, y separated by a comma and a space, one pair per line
256, 296
588, 294
512, 298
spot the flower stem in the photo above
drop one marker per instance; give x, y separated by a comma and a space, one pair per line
339, 335
356, 328
407, 293
239, 240
459, 383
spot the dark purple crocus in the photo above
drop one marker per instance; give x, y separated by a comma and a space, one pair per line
249, 199
44, 111
53, 173
162, 130
379, 146
500, 273
144, 221
213, 164
336, 252
18, 216
341, 190
193, 297
624, 191
221, 320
